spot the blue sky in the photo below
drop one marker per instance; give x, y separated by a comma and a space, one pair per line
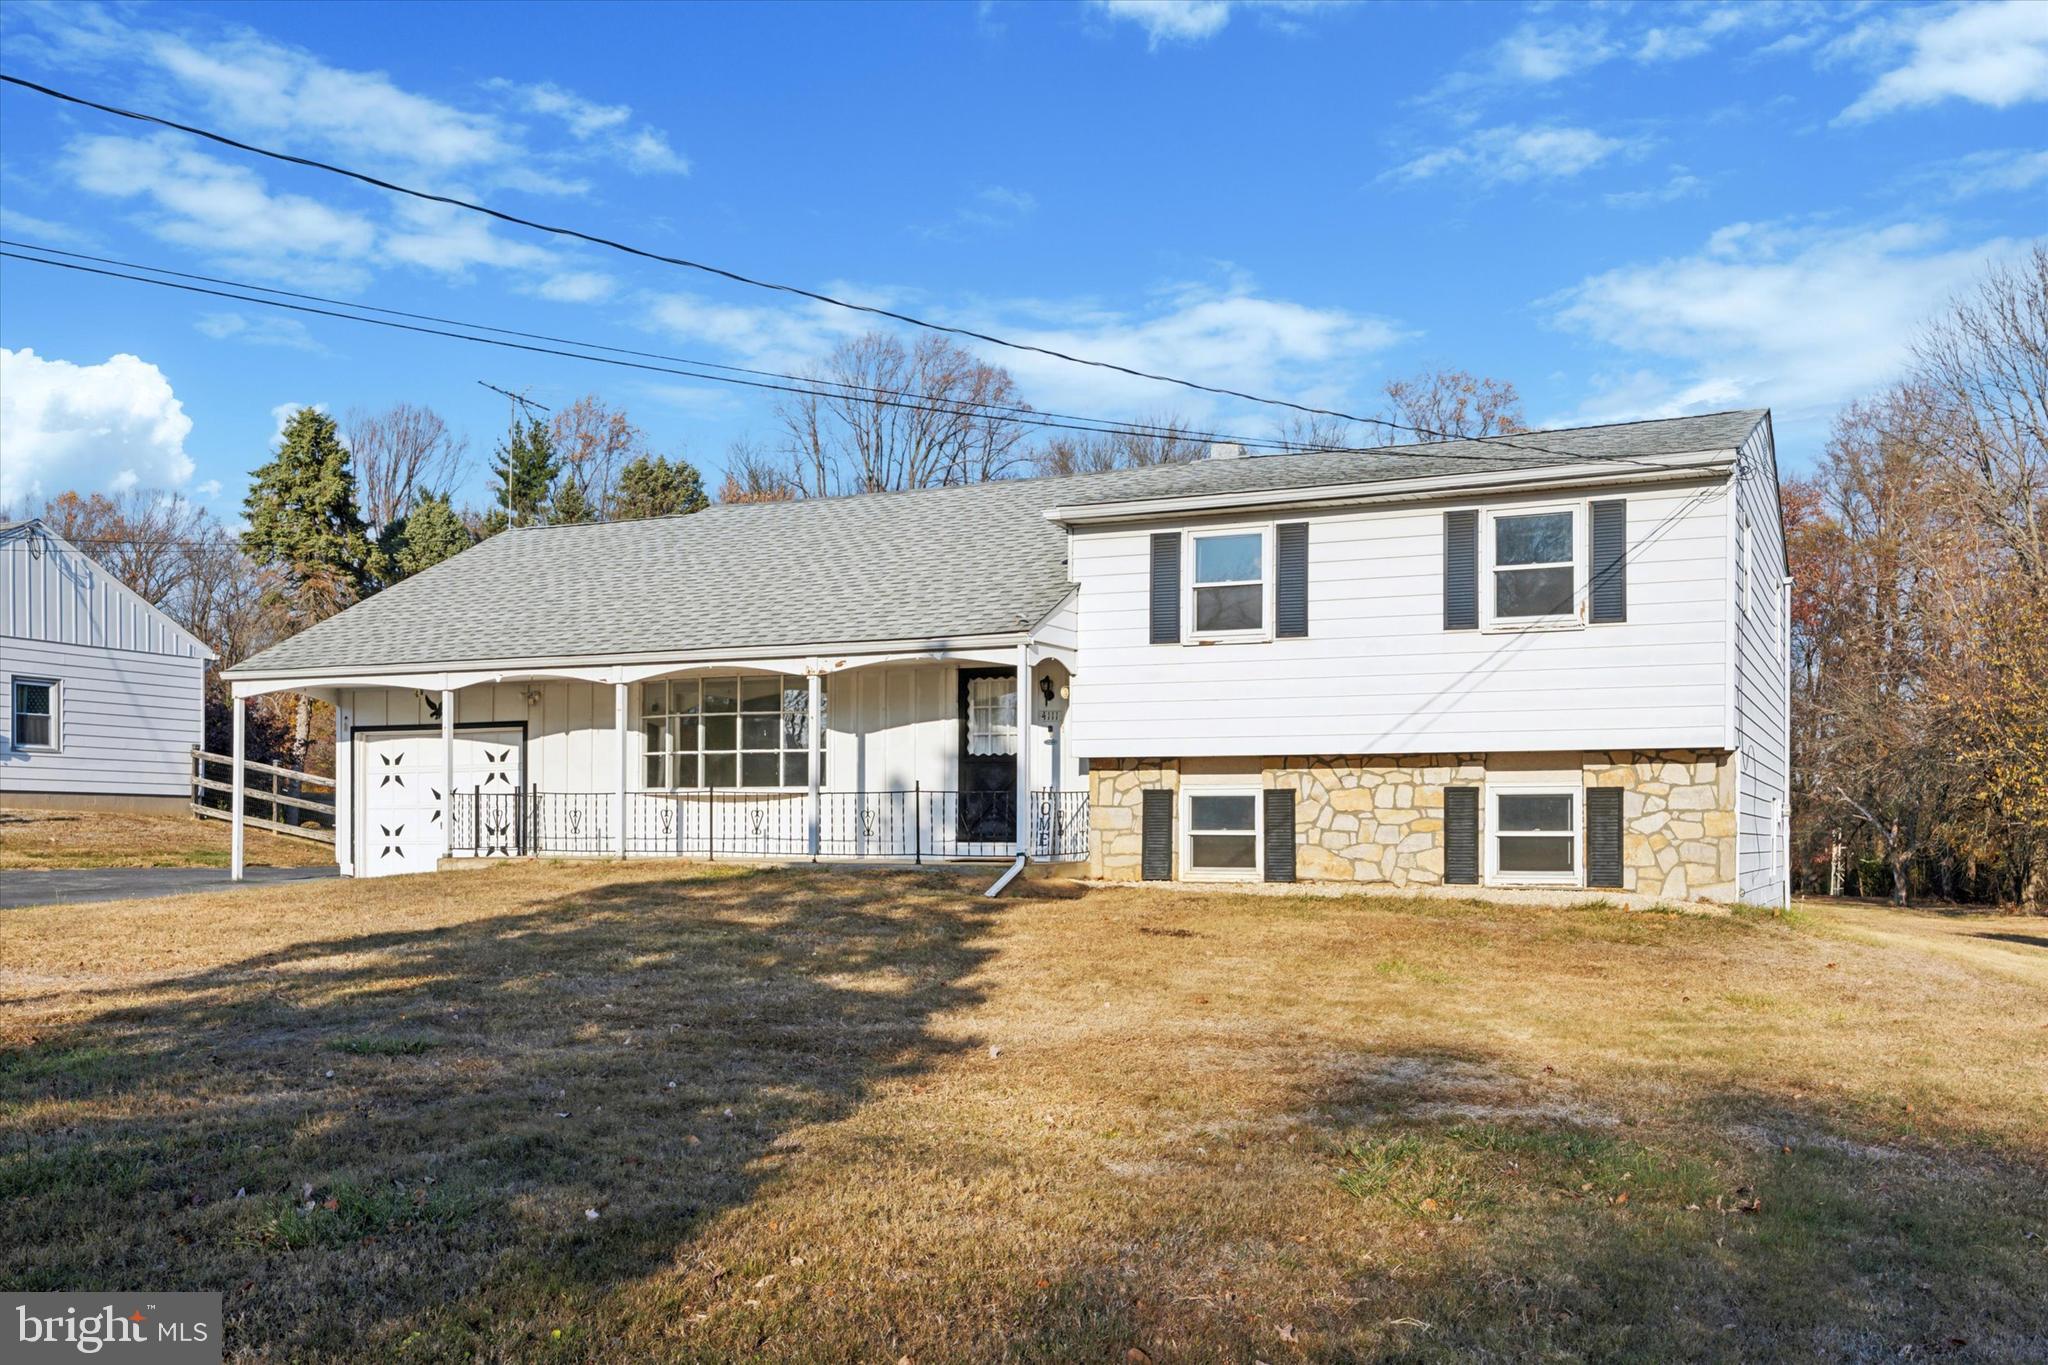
1628, 210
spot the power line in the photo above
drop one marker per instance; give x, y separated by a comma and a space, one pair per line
736, 277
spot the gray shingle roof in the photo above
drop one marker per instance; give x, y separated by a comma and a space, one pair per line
932, 564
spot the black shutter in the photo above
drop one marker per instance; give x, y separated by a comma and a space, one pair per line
1166, 588
1461, 570
1157, 835
1461, 836
1603, 836
1610, 561
1279, 834
1290, 580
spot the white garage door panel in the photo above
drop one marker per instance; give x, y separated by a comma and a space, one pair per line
403, 801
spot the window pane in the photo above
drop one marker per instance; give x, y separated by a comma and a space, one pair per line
1536, 853
1540, 538
682, 697
657, 772
683, 770
761, 694
654, 734
1545, 812
32, 698
1222, 812
1533, 592
653, 698
992, 715
683, 733
1230, 608
796, 728
721, 732
760, 770
720, 694
796, 770
760, 732
1223, 850
32, 731
721, 770
1228, 559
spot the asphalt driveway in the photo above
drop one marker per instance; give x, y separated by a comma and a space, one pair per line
18, 888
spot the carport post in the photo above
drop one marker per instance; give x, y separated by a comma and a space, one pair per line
619, 716
241, 731
447, 772
1024, 748
817, 699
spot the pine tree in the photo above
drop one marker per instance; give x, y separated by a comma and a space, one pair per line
652, 486
304, 529
428, 533
569, 505
525, 469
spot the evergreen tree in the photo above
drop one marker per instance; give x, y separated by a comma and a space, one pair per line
652, 486
569, 505
428, 533
304, 529
525, 469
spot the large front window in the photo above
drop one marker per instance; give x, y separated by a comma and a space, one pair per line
1535, 565
747, 731
1229, 583
1535, 835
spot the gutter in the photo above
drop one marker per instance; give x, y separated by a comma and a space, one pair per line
1365, 493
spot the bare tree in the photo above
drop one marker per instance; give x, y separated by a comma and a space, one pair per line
878, 415
399, 453
1443, 405
1164, 438
139, 535
594, 441
753, 475
1305, 431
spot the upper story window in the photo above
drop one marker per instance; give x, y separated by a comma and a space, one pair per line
35, 713
1229, 582
747, 731
1534, 558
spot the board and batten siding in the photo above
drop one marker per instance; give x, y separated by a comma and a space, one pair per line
1761, 677
1379, 674
130, 702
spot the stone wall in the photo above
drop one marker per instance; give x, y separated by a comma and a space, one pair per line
1379, 820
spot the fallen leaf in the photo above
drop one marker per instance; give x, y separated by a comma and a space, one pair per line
332, 1204
1287, 1332
1621, 1198
591, 1214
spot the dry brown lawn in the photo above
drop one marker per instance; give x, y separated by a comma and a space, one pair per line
608, 1113
32, 839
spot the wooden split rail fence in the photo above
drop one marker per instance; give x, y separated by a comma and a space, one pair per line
285, 787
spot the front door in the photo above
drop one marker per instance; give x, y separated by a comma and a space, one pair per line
989, 735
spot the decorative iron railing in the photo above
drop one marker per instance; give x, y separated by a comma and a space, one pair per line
916, 825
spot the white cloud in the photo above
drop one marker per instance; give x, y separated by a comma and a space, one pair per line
263, 330
993, 206
1170, 21
1539, 54
577, 286
1513, 154
210, 489
444, 238
283, 413
1994, 54
223, 209
2005, 171
1682, 184
643, 150
1795, 317
16, 224
110, 426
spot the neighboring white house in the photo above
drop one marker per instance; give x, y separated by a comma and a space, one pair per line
1554, 661
104, 694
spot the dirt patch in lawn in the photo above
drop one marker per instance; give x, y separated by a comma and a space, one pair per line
49, 839
597, 1112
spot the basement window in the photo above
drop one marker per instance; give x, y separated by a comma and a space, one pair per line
1535, 835
1222, 839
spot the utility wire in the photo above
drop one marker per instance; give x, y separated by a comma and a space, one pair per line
736, 277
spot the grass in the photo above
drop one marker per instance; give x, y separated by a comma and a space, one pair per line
52, 839
601, 1112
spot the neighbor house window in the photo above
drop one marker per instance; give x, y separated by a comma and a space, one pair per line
726, 732
1228, 584
1222, 833
1535, 566
1535, 835
35, 713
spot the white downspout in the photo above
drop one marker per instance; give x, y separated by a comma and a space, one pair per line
236, 843
1024, 750
816, 714
447, 772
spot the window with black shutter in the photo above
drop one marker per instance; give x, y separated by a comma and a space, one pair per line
1290, 580
1166, 588
1461, 836
1279, 834
1603, 836
1156, 834
1461, 570
1608, 596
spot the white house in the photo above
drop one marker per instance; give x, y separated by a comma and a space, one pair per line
1558, 660
105, 694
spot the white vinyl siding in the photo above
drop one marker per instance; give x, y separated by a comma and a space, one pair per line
126, 722
1380, 675
1761, 682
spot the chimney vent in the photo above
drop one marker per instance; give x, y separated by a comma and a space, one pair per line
1225, 450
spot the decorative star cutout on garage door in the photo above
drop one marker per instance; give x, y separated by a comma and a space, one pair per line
392, 833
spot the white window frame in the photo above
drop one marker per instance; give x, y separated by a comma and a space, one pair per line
1188, 870
1016, 731
1577, 833
1575, 618
641, 717
56, 686
1193, 636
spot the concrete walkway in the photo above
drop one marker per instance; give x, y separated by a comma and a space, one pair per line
69, 885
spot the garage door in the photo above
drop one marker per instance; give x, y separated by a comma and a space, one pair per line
403, 804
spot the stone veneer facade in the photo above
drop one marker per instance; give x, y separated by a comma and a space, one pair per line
1380, 821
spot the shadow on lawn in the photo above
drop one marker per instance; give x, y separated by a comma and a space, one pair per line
456, 1099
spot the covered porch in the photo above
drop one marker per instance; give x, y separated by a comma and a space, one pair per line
940, 753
